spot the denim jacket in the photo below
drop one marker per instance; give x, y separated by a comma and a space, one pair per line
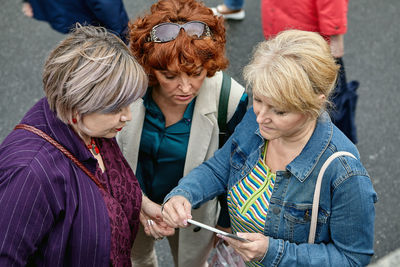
345, 225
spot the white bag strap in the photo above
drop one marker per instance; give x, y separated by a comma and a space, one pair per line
317, 191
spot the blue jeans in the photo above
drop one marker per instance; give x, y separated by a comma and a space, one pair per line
234, 4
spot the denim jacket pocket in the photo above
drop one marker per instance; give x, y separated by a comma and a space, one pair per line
238, 162
297, 222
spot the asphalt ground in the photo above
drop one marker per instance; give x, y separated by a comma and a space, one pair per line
371, 56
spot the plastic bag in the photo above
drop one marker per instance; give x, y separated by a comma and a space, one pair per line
225, 256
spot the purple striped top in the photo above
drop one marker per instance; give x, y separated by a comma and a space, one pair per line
51, 213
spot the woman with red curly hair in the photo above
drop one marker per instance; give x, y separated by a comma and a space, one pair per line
181, 46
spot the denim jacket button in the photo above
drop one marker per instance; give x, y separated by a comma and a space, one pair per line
196, 229
276, 210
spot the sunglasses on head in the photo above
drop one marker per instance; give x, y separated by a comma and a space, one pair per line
168, 31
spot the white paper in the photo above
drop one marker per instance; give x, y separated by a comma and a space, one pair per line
215, 230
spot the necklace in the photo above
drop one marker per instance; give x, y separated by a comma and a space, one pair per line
93, 147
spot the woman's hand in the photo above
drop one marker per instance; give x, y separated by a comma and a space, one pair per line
27, 9
250, 251
176, 211
154, 228
225, 229
151, 209
152, 221
337, 45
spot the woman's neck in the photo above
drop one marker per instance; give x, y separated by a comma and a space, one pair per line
85, 138
172, 112
283, 150
290, 147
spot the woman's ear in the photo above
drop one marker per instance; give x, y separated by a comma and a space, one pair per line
76, 117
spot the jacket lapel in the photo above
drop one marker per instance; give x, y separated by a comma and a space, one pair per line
204, 129
130, 144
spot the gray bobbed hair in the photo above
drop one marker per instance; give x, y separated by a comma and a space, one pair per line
92, 70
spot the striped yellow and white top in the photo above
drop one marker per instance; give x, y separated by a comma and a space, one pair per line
248, 200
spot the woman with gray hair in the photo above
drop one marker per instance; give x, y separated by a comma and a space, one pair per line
67, 195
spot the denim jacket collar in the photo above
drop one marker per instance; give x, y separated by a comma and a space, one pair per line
303, 165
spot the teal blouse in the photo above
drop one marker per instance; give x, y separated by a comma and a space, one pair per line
163, 149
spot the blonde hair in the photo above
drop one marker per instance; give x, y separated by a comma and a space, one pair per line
293, 70
92, 70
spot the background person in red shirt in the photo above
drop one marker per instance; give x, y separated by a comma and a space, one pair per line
328, 18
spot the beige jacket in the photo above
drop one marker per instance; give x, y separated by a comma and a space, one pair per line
194, 247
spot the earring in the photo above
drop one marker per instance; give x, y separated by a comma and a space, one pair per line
74, 120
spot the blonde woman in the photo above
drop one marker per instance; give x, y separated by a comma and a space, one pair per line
52, 213
270, 164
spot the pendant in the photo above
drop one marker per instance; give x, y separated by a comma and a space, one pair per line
95, 150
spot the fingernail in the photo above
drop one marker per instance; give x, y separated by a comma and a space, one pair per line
185, 222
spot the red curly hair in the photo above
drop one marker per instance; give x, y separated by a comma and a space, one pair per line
185, 53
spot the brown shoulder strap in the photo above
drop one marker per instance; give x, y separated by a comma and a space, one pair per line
62, 149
